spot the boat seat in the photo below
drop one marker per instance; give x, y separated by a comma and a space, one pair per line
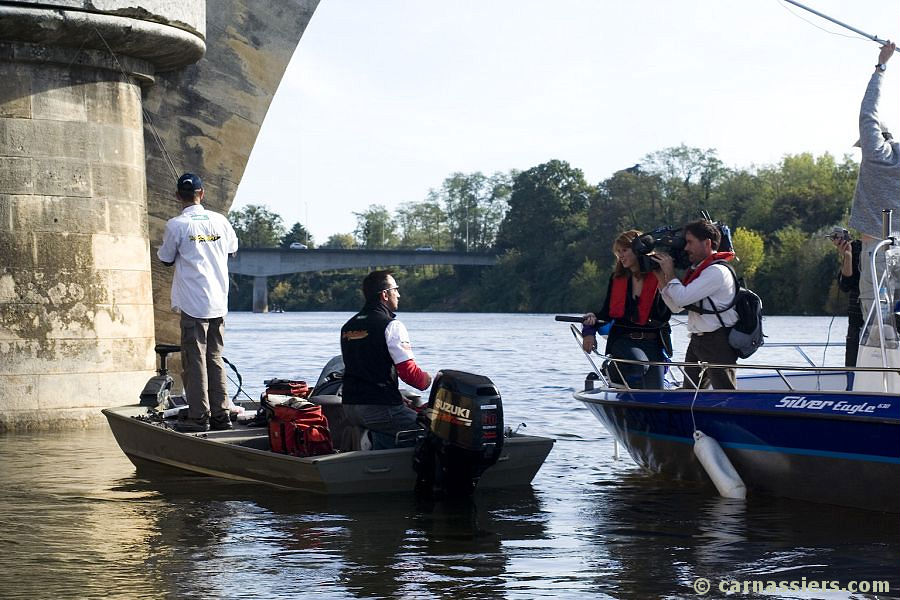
326, 400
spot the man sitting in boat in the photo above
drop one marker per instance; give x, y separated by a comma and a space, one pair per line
705, 286
640, 330
376, 350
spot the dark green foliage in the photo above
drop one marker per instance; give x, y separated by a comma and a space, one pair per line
298, 233
257, 227
555, 231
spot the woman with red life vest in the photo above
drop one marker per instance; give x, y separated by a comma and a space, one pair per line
640, 319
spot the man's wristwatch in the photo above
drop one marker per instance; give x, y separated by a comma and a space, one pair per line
881, 67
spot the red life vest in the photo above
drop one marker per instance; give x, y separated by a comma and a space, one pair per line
645, 302
694, 272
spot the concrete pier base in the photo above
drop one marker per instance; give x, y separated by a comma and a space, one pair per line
260, 294
76, 299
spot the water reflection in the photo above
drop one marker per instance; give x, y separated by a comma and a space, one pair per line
78, 522
661, 536
240, 537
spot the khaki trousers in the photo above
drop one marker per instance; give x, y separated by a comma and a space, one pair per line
202, 342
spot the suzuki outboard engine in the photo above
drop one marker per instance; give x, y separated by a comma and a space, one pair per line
464, 436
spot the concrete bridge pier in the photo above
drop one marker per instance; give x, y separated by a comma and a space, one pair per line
260, 294
76, 304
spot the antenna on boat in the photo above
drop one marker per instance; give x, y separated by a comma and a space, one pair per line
874, 38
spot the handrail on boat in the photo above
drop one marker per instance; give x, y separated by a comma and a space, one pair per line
778, 369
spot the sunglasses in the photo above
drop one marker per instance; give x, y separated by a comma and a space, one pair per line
396, 287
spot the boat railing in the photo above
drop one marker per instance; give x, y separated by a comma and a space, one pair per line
784, 372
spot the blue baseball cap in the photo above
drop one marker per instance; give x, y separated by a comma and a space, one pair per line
189, 183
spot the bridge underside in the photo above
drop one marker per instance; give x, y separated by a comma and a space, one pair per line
264, 263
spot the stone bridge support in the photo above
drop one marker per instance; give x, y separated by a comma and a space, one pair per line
76, 303
260, 294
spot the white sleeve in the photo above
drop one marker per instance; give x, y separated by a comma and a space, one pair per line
169, 248
707, 283
397, 339
231, 245
673, 306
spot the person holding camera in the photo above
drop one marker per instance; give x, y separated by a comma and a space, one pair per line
848, 281
878, 184
705, 286
640, 319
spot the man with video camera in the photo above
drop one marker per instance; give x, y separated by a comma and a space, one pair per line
708, 287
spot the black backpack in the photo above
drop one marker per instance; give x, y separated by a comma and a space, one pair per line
746, 336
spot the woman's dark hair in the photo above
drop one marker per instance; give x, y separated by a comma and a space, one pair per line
375, 283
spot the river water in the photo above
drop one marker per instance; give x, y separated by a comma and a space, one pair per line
78, 523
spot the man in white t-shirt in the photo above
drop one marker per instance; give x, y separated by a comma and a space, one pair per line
376, 350
198, 242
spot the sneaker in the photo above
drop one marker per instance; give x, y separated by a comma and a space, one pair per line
188, 425
221, 423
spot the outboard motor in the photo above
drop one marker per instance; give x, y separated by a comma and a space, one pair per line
465, 434
158, 388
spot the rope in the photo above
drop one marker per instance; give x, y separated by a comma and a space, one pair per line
155, 134
239, 383
852, 37
697, 393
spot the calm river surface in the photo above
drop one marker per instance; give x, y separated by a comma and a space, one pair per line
78, 523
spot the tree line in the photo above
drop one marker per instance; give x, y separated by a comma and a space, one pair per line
553, 232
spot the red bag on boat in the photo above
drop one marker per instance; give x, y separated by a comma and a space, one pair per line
287, 387
298, 429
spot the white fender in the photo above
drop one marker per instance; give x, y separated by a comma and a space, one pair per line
718, 467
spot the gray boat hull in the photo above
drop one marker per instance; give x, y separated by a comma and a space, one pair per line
243, 455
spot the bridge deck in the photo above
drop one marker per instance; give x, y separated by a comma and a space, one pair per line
265, 262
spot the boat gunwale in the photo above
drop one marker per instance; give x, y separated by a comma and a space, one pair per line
348, 456
581, 396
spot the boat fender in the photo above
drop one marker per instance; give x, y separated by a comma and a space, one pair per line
718, 467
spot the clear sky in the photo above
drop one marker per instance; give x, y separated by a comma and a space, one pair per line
384, 99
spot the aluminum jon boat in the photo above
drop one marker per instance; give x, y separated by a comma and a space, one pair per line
243, 454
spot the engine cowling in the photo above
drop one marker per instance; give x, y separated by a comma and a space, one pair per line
464, 434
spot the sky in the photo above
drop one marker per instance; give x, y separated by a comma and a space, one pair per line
384, 99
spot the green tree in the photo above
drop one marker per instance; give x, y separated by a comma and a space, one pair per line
298, 233
281, 294
588, 286
422, 224
750, 250
546, 225
340, 240
475, 205
375, 228
687, 177
257, 227
630, 199
548, 204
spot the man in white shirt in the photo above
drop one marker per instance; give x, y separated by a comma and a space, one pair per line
708, 287
198, 242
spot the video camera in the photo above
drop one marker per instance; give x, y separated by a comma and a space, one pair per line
662, 239
671, 241
839, 233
